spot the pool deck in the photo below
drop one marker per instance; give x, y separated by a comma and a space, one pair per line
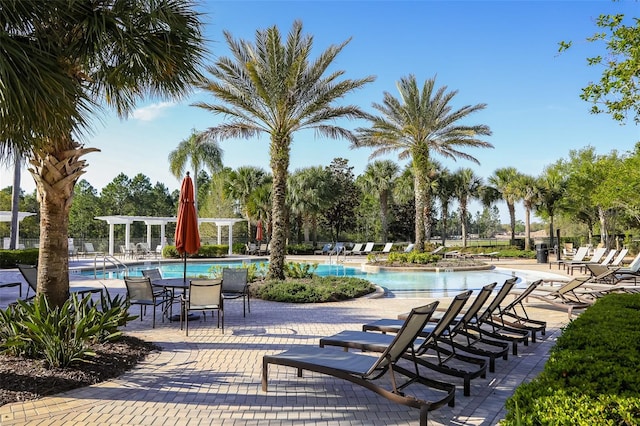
210, 378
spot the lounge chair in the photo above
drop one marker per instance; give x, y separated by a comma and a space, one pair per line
90, 250
486, 326
13, 284
617, 261
437, 250
363, 369
564, 297
357, 248
235, 285
368, 249
514, 313
452, 254
337, 249
467, 342
30, 275
579, 256
250, 248
324, 250
387, 248
601, 273
409, 248
429, 348
597, 257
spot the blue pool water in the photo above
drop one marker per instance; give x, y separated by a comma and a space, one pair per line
397, 284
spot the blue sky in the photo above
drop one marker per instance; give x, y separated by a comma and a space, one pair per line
502, 53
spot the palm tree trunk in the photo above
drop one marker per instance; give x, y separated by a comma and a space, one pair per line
527, 227
15, 201
56, 172
445, 213
512, 221
279, 153
384, 213
463, 221
421, 201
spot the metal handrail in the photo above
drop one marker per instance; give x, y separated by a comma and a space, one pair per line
113, 261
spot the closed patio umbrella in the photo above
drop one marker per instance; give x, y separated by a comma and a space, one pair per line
187, 235
259, 231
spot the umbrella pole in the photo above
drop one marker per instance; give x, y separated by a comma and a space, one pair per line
184, 276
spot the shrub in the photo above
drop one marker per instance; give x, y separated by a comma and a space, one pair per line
315, 290
591, 376
300, 249
10, 258
255, 271
299, 270
61, 336
413, 257
207, 251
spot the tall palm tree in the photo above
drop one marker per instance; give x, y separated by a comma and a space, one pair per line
551, 188
239, 186
308, 194
468, 187
418, 124
379, 179
200, 152
274, 87
504, 181
445, 192
63, 60
528, 193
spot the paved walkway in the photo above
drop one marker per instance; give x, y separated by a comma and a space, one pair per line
210, 378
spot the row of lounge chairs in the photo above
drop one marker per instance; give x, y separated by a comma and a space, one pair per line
458, 342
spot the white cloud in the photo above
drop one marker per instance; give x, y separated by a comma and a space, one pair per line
151, 112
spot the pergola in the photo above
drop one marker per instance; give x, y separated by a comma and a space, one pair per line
162, 222
6, 217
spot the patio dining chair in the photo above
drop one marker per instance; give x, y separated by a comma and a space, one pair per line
141, 292
203, 295
235, 285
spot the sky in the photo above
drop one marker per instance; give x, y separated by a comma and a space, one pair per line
500, 53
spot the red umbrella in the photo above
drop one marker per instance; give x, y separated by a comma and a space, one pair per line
187, 235
259, 231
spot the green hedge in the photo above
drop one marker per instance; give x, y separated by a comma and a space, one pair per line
10, 258
593, 373
206, 251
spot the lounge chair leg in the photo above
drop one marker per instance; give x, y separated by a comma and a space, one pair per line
424, 414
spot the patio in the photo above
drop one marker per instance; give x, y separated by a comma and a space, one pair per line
213, 378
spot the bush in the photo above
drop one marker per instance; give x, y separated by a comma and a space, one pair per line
300, 249
592, 375
413, 257
206, 251
299, 270
255, 271
61, 336
314, 290
10, 258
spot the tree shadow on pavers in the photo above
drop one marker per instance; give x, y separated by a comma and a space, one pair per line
308, 399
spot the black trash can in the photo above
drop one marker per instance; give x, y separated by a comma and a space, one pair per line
542, 253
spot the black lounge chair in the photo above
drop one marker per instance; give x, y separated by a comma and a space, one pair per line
565, 297
511, 316
485, 326
30, 275
363, 369
444, 360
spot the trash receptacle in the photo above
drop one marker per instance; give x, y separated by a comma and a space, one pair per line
542, 253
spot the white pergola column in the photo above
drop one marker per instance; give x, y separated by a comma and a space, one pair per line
149, 236
127, 235
219, 234
111, 233
163, 237
230, 239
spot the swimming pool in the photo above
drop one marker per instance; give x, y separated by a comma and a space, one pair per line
397, 284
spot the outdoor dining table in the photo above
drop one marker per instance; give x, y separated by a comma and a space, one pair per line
173, 284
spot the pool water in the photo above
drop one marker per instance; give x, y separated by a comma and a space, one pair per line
396, 284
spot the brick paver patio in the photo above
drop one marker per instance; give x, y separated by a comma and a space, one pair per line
210, 378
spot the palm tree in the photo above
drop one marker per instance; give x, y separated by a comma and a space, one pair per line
239, 186
379, 179
202, 153
308, 194
468, 186
63, 60
528, 193
551, 188
504, 181
445, 193
418, 124
273, 87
